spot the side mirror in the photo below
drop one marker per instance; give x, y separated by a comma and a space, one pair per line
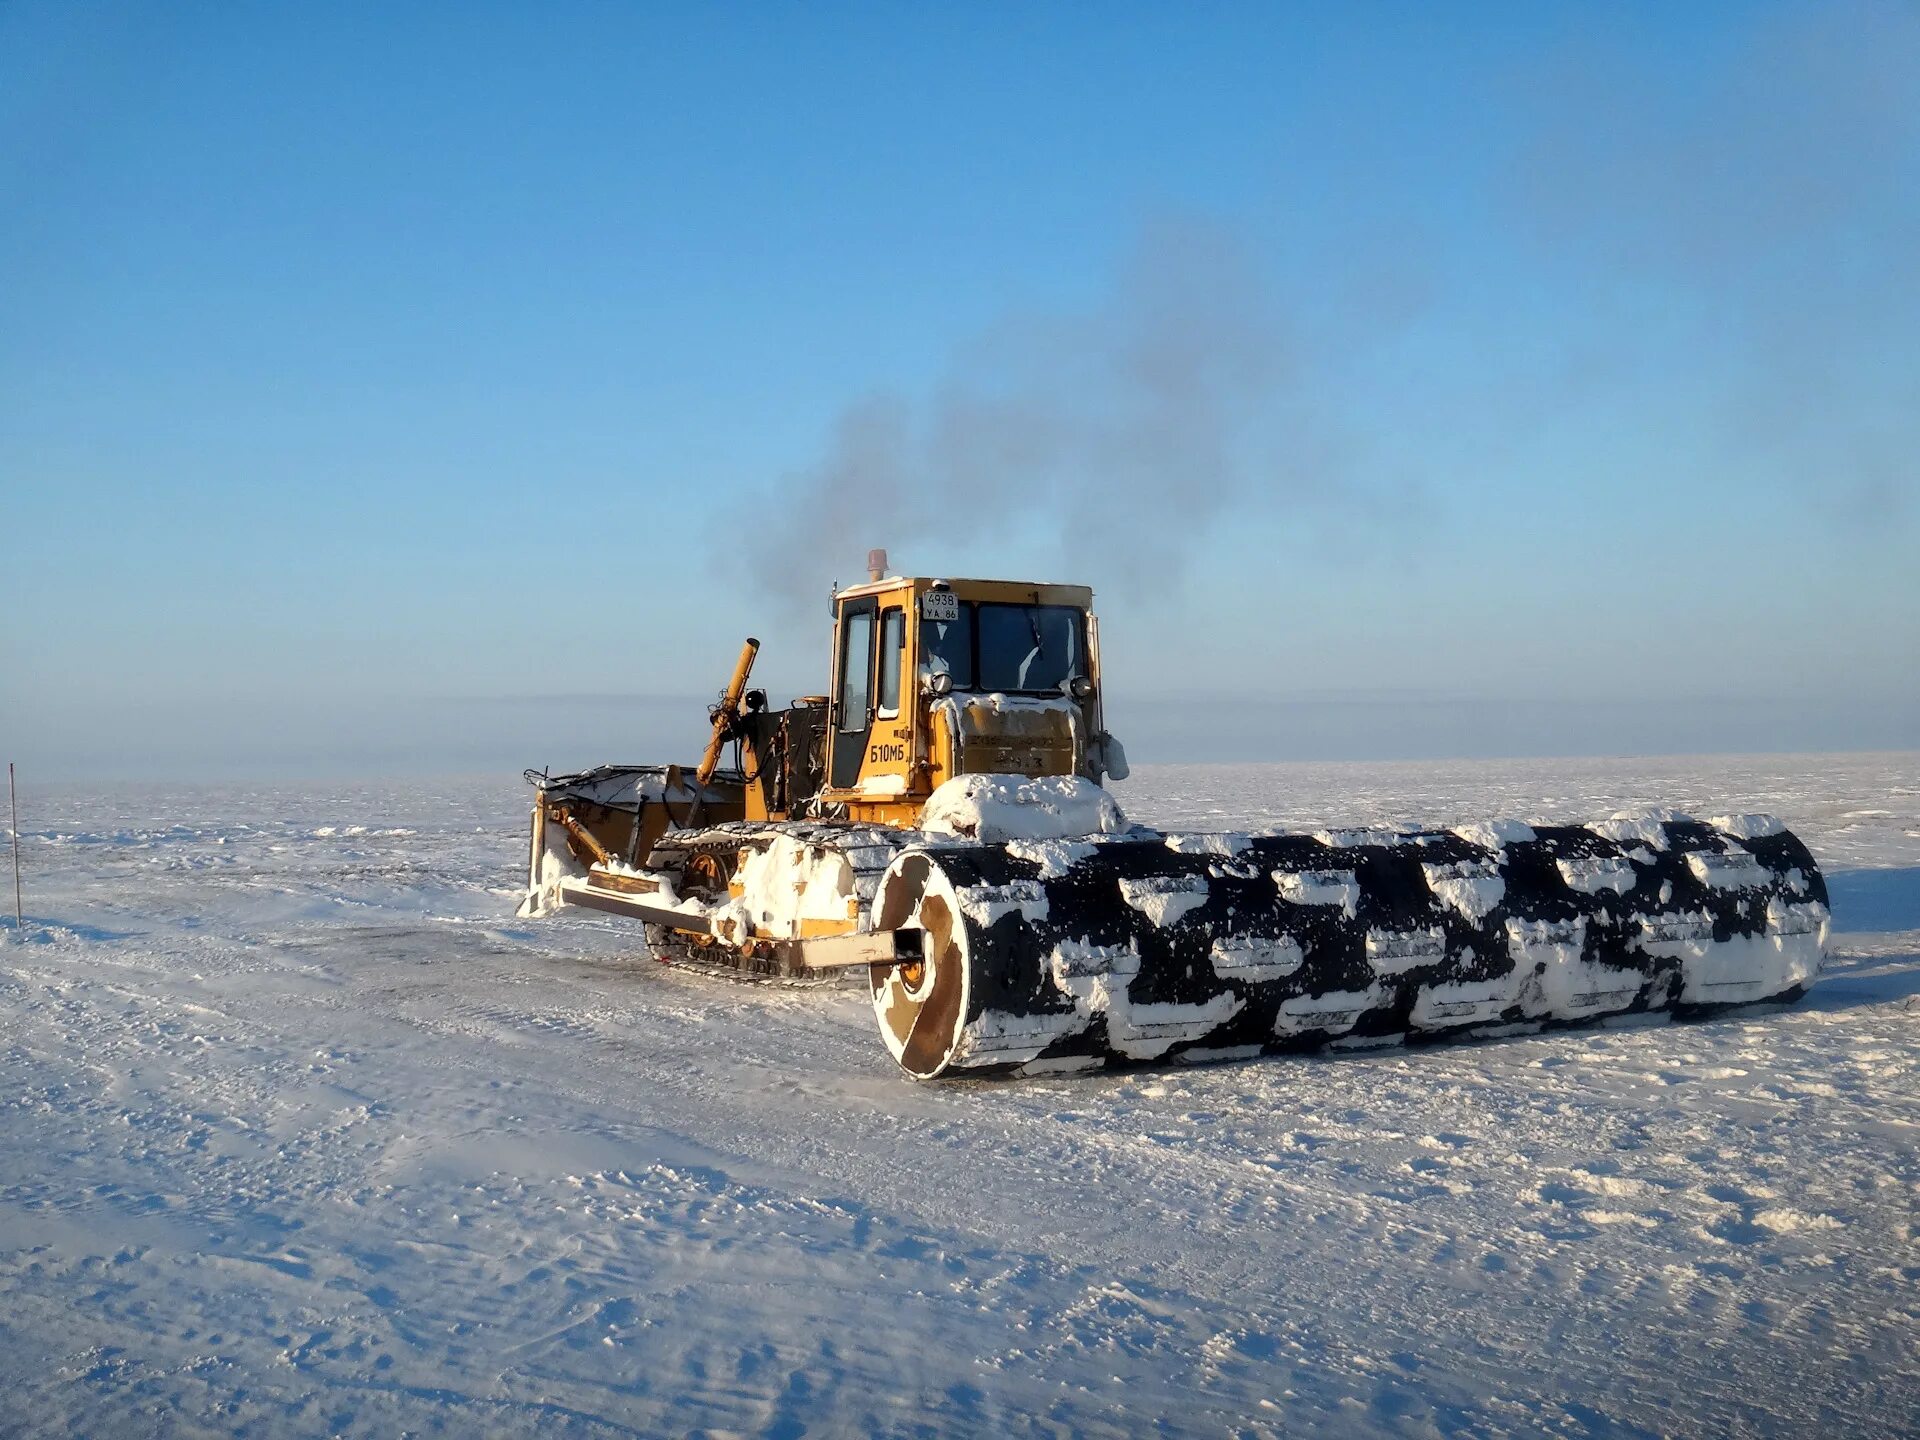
939, 684
1081, 688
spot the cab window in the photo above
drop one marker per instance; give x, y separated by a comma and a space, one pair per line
1030, 648
893, 642
946, 647
856, 669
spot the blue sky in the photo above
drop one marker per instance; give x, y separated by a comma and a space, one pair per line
1408, 380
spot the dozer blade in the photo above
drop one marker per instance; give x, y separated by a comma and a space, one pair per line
1061, 955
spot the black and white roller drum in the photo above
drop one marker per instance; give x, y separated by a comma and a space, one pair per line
1140, 947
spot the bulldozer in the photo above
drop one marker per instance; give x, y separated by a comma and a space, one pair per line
938, 825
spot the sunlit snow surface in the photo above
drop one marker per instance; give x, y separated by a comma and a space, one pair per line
304, 1135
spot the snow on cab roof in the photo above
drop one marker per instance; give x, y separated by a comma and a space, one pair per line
1047, 591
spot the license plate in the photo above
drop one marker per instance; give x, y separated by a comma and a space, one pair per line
939, 606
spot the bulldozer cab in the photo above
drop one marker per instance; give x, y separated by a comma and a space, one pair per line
937, 678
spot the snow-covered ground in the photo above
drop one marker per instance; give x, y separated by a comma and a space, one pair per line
304, 1135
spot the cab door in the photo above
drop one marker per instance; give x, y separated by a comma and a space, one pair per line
853, 692
890, 753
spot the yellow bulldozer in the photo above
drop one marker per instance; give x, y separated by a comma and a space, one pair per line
937, 823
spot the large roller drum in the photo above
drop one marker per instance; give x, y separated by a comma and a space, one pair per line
1071, 954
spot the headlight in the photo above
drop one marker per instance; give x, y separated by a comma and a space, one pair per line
1081, 688
939, 683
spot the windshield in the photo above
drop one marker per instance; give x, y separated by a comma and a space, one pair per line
946, 647
1028, 647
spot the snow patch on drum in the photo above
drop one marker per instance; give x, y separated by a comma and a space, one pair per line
1590, 874
1254, 958
1320, 887
1733, 870
1163, 899
1472, 887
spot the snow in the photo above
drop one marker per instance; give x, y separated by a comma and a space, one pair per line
1647, 827
1100, 980
1004, 807
1348, 837
789, 878
1394, 952
1495, 834
1080, 960
1163, 899
786, 884
1748, 827
1333, 1011
1473, 887
1146, 1030
1320, 887
1463, 1002
1592, 874
1733, 870
985, 904
1553, 979
1249, 958
1054, 857
1000, 1034
1225, 844
303, 1135
1746, 967
553, 864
